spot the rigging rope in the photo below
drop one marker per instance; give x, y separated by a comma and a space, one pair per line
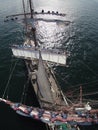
71, 86
82, 83
63, 79
23, 97
89, 68
64, 97
23, 94
10, 72
85, 83
10, 76
92, 93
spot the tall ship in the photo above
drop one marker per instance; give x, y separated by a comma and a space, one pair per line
55, 109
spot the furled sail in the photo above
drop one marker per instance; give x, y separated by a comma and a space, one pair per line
32, 53
43, 82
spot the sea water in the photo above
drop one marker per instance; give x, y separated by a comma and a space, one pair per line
79, 39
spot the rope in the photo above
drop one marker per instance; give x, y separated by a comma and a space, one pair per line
23, 98
63, 79
6, 88
84, 84
92, 93
89, 68
64, 97
71, 86
81, 83
92, 102
10, 72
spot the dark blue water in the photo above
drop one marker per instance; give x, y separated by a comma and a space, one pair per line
79, 39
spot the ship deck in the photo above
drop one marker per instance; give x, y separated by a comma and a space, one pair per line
57, 99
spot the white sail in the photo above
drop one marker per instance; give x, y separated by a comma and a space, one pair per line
48, 55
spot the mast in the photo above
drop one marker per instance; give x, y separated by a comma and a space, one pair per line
24, 13
31, 10
34, 35
33, 28
81, 95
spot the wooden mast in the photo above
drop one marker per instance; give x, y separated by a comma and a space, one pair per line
33, 28
24, 13
81, 95
31, 10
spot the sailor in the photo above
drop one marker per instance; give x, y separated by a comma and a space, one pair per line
32, 10
42, 11
36, 12
87, 115
48, 12
64, 115
57, 12
12, 19
79, 113
53, 115
16, 18
52, 12
30, 109
40, 113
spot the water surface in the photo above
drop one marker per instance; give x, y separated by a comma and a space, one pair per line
79, 39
